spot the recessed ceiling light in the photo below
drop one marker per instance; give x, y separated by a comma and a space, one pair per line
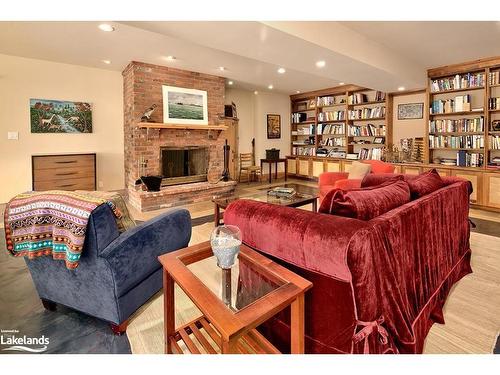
298, 91
341, 83
106, 62
270, 87
222, 68
170, 58
106, 27
401, 88
281, 70
230, 83
255, 92
320, 63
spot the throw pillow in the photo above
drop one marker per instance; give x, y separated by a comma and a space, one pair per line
358, 170
425, 183
367, 203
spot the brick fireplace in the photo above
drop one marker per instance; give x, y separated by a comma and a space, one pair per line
142, 86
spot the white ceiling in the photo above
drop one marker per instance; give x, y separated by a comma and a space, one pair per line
380, 55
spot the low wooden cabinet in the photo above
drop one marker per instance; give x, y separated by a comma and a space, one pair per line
64, 172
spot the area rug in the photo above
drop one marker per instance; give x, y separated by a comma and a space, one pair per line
471, 311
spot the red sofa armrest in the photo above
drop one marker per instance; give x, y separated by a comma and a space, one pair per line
329, 178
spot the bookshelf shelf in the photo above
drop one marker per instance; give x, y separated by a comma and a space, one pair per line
494, 110
304, 123
332, 105
465, 113
457, 90
367, 103
367, 119
456, 133
457, 149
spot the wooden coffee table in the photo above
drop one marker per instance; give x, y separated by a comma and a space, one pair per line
305, 195
233, 303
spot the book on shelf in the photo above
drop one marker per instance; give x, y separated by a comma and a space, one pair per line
494, 103
303, 151
494, 78
337, 129
468, 159
325, 101
368, 130
306, 130
370, 154
494, 142
461, 103
331, 116
456, 141
298, 117
458, 82
463, 125
334, 153
367, 113
337, 142
360, 98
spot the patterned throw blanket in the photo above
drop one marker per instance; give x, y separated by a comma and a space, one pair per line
50, 223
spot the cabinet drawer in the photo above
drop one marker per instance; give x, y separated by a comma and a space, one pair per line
62, 161
292, 166
63, 173
84, 183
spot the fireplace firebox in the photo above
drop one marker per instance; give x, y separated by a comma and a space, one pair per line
183, 165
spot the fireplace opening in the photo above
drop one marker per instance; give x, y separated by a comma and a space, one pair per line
183, 165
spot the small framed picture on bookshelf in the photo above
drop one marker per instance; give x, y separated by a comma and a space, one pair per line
410, 111
378, 140
273, 126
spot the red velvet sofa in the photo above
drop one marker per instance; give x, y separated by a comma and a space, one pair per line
378, 285
338, 180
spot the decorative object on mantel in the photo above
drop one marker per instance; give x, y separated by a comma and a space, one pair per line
57, 116
184, 106
410, 111
230, 110
273, 126
152, 183
147, 115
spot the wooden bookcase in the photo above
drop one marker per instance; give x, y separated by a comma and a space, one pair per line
330, 119
485, 178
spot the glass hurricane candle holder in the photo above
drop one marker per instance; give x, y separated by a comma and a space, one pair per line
226, 241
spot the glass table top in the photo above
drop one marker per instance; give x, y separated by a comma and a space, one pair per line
238, 287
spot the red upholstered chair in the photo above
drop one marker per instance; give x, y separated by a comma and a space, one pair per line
338, 180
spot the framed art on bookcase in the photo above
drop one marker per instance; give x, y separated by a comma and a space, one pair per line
410, 111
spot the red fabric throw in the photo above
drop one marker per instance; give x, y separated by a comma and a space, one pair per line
367, 203
378, 285
425, 183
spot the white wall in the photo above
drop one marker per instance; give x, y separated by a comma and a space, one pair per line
407, 128
22, 79
252, 112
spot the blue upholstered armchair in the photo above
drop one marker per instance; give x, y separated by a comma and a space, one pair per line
117, 273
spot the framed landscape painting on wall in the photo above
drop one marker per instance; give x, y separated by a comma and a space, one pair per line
184, 106
410, 111
273, 126
59, 116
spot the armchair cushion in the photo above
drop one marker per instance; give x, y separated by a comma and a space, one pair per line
367, 203
133, 256
359, 170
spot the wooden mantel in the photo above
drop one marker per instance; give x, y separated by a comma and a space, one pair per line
158, 125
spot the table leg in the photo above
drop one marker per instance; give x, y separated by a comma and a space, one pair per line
276, 171
270, 172
286, 170
229, 347
168, 310
315, 205
216, 214
297, 325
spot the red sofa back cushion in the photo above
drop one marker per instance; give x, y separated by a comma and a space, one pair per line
367, 203
425, 183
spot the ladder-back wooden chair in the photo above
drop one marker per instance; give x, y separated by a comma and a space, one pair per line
247, 165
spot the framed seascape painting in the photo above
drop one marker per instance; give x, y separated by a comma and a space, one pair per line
58, 116
410, 111
273, 126
184, 106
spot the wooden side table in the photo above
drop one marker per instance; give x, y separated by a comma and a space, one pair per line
233, 303
270, 162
